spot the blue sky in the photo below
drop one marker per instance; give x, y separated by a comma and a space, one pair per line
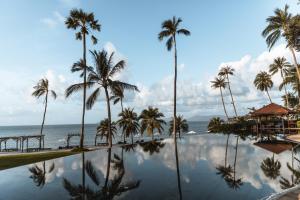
35, 43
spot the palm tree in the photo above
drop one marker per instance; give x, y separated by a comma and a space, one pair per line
221, 84
118, 96
181, 125
102, 129
263, 82
295, 178
292, 80
215, 124
277, 27
225, 72
84, 23
38, 174
151, 119
42, 89
170, 28
271, 167
281, 65
129, 123
103, 77
293, 100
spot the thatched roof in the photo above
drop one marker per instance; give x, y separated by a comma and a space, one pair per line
272, 109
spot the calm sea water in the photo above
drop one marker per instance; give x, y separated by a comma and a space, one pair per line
55, 134
150, 172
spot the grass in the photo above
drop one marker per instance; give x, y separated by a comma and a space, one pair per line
10, 161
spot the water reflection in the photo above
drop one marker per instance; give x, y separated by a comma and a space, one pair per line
110, 188
150, 171
38, 173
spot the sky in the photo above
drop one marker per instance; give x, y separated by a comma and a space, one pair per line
35, 43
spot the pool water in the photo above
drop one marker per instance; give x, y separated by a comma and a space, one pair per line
209, 166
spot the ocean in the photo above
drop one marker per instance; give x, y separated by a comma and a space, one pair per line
55, 135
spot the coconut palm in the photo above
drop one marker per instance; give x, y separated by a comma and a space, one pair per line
293, 100
38, 174
292, 80
278, 26
215, 124
103, 78
118, 96
151, 119
282, 66
263, 82
171, 28
295, 178
83, 23
221, 84
102, 129
181, 125
271, 167
225, 72
129, 123
42, 89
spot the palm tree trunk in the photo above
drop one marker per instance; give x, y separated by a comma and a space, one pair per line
109, 118
295, 63
174, 115
84, 93
232, 101
124, 137
131, 138
44, 116
224, 104
269, 96
285, 91
235, 157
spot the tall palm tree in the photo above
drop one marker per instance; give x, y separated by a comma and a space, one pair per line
181, 125
42, 89
170, 28
151, 119
271, 167
293, 100
225, 72
221, 84
278, 27
118, 96
38, 174
102, 129
129, 123
281, 65
292, 80
83, 23
263, 82
103, 78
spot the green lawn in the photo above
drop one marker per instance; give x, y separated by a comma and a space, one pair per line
10, 161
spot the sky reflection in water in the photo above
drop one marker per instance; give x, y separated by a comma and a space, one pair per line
207, 171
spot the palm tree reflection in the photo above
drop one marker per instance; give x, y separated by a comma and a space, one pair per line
271, 167
295, 175
227, 172
109, 189
38, 174
152, 146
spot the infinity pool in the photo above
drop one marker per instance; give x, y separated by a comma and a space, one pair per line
210, 167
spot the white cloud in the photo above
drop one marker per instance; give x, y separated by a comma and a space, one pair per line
54, 20
196, 97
